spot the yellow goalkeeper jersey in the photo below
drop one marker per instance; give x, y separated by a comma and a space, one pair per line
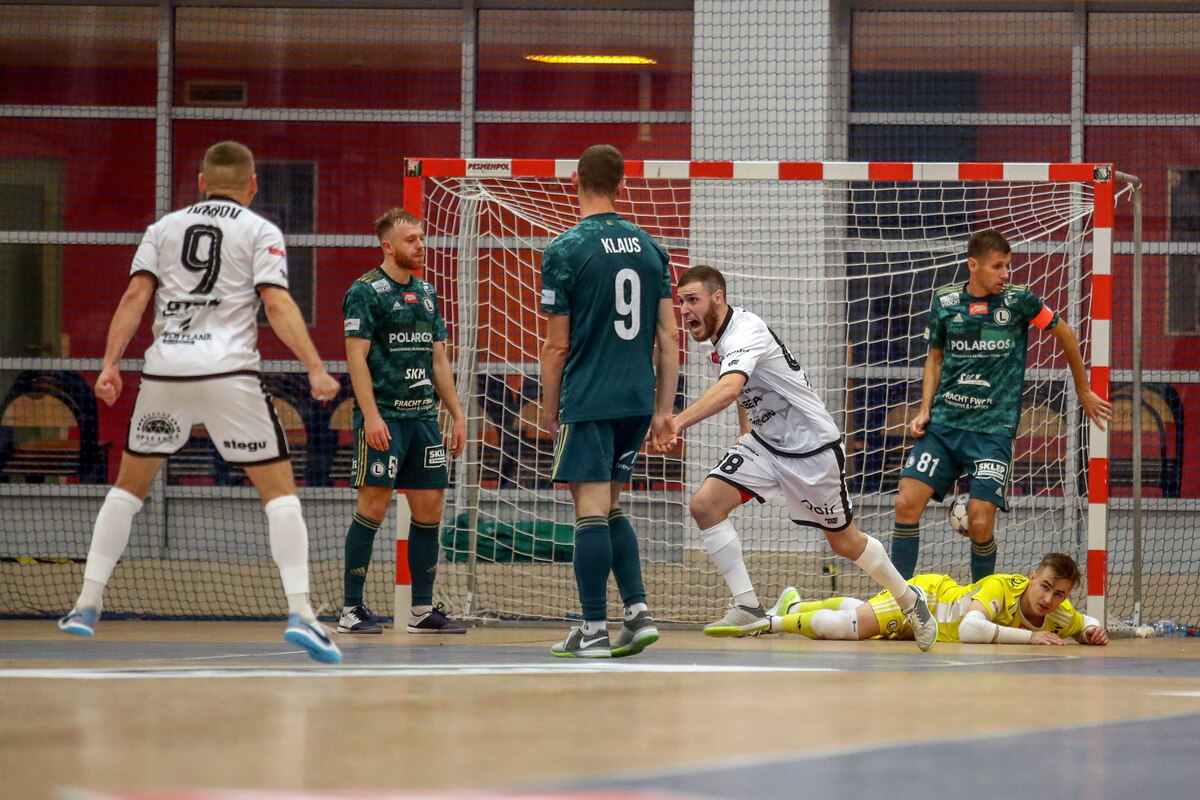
950, 601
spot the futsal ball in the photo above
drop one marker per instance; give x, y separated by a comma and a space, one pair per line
958, 514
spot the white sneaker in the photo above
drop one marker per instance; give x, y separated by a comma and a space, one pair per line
783, 606
920, 619
740, 621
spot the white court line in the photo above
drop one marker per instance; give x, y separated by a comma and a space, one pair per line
439, 670
1176, 694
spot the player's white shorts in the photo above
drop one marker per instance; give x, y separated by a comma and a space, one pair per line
814, 484
235, 410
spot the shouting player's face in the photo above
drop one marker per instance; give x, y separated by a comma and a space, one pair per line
405, 245
700, 310
989, 273
1046, 592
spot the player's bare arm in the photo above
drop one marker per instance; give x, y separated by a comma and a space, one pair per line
717, 397
1097, 408
929, 384
443, 384
666, 339
288, 324
374, 428
553, 359
124, 324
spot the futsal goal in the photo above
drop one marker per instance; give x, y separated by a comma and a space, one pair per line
841, 260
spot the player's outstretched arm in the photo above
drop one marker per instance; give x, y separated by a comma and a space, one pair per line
1097, 408
124, 324
666, 340
977, 628
1093, 632
717, 397
375, 430
552, 359
443, 384
288, 324
931, 377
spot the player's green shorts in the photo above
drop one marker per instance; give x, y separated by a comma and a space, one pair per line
943, 454
415, 458
598, 450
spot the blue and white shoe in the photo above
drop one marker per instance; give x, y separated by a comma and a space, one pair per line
80, 621
313, 638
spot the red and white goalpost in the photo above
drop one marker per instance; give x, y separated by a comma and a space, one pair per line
840, 258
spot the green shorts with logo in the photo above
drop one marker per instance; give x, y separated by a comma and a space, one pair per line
943, 454
415, 458
599, 450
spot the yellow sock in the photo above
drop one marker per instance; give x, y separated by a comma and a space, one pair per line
828, 604
798, 623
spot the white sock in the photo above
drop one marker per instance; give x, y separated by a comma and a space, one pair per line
110, 535
632, 611
875, 562
289, 548
828, 624
420, 611
593, 626
723, 545
850, 603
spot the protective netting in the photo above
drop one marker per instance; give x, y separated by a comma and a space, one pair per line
843, 272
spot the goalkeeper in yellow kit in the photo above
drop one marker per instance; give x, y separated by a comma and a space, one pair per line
1000, 609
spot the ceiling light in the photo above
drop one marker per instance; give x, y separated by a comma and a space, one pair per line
576, 59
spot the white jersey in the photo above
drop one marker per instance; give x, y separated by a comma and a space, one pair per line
785, 412
207, 259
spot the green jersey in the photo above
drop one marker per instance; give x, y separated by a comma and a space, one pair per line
608, 275
402, 321
984, 341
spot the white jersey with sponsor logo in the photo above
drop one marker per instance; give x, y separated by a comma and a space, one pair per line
207, 259
784, 410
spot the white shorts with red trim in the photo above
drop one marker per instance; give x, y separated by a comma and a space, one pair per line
813, 483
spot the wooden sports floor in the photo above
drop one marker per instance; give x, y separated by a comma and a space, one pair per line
228, 711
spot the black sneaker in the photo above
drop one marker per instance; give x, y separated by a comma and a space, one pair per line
434, 621
358, 619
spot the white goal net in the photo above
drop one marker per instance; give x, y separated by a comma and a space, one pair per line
842, 268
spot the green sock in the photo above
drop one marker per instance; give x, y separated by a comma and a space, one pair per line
983, 559
422, 560
906, 539
593, 562
360, 540
626, 564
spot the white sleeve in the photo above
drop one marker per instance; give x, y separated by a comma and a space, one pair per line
146, 257
975, 628
270, 258
748, 345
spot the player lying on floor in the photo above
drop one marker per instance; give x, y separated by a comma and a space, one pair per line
1000, 609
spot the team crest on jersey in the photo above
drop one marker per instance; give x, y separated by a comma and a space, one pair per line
977, 308
948, 300
892, 625
1002, 316
381, 285
410, 297
991, 470
156, 428
715, 356
427, 304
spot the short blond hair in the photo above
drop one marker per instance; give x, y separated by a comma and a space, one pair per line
391, 218
228, 165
